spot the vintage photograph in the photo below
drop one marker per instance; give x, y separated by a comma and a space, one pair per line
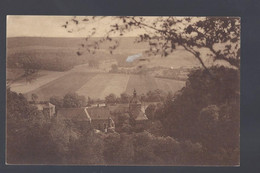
123, 90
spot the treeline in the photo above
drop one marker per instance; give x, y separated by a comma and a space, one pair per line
55, 61
151, 96
72, 99
177, 74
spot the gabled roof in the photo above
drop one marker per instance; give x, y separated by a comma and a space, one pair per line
135, 99
99, 113
42, 105
119, 108
141, 116
79, 114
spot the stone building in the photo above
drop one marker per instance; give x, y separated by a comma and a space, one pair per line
136, 110
47, 108
101, 119
98, 118
75, 117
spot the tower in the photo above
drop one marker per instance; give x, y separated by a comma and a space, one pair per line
134, 105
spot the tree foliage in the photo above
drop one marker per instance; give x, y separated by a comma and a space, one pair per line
28, 137
111, 99
73, 100
220, 36
57, 101
124, 98
207, 111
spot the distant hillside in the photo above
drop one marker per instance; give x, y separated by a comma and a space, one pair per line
61, 53
125, 42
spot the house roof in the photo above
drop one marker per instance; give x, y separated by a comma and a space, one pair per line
141, 116
135, 99
79, 114
119, 108
99, 113
41, 106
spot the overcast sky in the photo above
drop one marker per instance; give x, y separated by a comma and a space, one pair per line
51, 26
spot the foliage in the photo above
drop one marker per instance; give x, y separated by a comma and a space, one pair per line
207, 111
154, 96
165, 34
147, 149
124, 98
114, 68
73, 100
35, 139
54, 59
111, 99
28, 138
156, 128
34, 97
123, 123
150, 111
76, 142
57, 101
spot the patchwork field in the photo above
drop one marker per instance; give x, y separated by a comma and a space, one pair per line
169, 84
104, 84
22, 86
59, 87
92, 84
142, 84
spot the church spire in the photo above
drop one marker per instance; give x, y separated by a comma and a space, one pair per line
134, 93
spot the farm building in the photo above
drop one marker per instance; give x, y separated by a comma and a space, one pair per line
75, 117
101, 119
136, 110
47, 108
98, 118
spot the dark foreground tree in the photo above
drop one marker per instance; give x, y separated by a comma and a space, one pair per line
207, 111
28, 137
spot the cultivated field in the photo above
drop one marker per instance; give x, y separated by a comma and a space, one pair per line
145, 83
142, 84
59, 87
169, 84
93, 84
60, 54
104, 84
22, 86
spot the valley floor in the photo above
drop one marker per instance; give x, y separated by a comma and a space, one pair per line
92, 83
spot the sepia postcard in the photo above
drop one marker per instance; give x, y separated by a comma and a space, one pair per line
123, 90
